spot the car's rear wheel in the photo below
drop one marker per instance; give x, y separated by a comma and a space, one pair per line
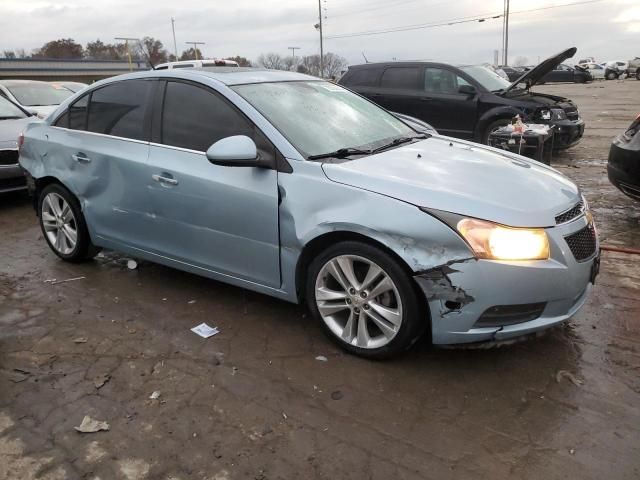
364, 300
63, 224
612, 75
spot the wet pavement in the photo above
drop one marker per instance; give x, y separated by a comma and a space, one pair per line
253, 402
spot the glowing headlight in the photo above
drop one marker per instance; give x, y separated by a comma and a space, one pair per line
496, 242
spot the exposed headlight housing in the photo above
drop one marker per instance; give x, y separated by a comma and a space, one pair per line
559, 114
545, 114
496, 242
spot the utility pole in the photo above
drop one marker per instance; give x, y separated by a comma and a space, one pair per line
321, 46
175, 45
506, 37
195, 47
293, 51
126, 44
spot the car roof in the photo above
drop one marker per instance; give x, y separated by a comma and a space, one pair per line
224, 75
8, 83
404, 64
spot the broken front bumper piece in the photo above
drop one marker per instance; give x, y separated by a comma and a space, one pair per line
486, 300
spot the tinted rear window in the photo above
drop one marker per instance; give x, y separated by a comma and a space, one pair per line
401, 77
118, 109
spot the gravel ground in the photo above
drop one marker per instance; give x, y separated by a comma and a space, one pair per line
253, 402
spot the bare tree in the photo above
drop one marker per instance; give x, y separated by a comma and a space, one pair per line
21, 53
291, 63
242, 61
334, 65
9, 54
62, 48
273, 61
520, 61
153, 51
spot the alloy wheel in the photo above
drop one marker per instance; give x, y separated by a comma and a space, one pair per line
358, 301
59, 223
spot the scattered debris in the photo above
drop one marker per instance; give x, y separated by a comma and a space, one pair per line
572, 451
563, 373
234, 370
19, 375
191, 302
155, 395
80, 340
205, 331
50, 280
132, 264
100, 380
321, 358
336, 395
284, 415
90, 425
56, 282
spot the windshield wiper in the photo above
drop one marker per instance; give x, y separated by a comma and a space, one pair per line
398, 141
340, 153
10, 118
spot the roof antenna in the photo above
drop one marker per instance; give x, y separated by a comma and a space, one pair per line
365, 58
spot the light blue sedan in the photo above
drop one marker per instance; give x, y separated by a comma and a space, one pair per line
300, 189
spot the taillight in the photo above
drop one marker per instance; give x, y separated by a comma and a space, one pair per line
20, 141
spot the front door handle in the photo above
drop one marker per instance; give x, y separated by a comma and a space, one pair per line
81, 158
165, 180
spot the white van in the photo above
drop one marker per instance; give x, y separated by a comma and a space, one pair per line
196, 64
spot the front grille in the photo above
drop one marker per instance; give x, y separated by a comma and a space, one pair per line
503, 315
570, 214
8, 157
582, 243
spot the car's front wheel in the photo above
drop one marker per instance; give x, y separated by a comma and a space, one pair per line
364, 300
63, 224
612, 75
492, 127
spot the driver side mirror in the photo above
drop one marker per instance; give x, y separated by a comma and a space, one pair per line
235, 151
467, 89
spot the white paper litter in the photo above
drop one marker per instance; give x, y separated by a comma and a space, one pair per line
132, 264
205, 331
321, 358
155, 395
90, 425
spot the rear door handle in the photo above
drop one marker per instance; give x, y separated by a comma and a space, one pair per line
81, 158
165, 180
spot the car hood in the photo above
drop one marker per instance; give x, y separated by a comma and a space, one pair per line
10, 130
43, 111
461, 177
534, 75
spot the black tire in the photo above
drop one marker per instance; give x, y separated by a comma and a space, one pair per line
500, 122
415, 317
611, 76
638, 74
84, 250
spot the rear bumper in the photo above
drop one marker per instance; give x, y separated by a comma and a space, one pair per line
568, 133
562, 284
12, 179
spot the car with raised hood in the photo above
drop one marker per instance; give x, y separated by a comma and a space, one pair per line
298, 188
13, 121
468, 102
623, 166
38, 98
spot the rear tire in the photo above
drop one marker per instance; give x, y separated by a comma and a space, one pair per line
365, 301
611, 76
63, 225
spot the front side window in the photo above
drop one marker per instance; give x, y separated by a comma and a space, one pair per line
78, 114
400, 77
319, 117
364, 77
196, 118
119, 108
439, 80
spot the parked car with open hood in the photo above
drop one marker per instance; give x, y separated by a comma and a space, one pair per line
39, 98
298, 188
624, 161
468, 101
13, 120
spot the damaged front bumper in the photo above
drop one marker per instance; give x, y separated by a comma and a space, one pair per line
490, 301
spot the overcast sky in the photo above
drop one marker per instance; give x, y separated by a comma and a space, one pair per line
607, 29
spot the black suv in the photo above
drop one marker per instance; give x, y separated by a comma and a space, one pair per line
467, 101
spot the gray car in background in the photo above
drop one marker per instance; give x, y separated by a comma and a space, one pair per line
13, 120
297, 188
39, 98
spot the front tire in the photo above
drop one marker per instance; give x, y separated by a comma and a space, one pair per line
364, 300
493, 126
611, 76
63, 225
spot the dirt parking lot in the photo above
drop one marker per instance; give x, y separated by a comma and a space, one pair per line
253, 402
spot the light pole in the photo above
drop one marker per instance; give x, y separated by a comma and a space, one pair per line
175, 45
505, 33
319, 27
195, 47
126, 44
293, 51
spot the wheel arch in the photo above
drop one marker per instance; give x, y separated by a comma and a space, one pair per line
316, 245
498, 113
41, 183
